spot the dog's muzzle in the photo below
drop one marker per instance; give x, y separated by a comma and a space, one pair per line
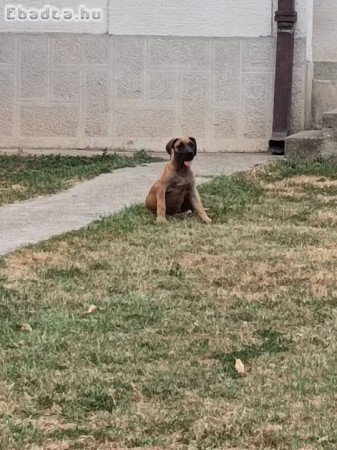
187, 158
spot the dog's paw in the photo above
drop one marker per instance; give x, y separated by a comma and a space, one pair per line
206, 220
161, 219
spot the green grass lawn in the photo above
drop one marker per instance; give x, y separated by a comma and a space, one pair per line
177, 304
23, 177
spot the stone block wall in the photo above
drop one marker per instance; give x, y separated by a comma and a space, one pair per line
90, 90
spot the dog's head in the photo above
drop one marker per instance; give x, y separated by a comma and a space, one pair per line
183, 149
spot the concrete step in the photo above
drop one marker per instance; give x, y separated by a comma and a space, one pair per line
304, 145
329, 120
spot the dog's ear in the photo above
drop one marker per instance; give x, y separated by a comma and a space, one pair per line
194, 144
170, 145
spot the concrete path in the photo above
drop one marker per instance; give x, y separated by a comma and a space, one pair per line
36, 220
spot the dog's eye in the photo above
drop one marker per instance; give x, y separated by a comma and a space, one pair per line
180, 146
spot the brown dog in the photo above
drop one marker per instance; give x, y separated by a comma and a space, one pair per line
175, 191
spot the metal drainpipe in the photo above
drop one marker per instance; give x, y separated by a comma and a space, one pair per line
286, 17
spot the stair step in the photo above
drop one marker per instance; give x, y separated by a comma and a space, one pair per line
304, 145
329, 119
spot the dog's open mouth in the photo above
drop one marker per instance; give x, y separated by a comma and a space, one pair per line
188, 163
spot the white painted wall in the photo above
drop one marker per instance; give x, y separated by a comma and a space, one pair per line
246, 18
325, 30
304, 17
211, 18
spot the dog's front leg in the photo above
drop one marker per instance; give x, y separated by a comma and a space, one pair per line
197, 206
161, 205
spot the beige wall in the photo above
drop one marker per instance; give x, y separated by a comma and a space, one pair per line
72, 90
325, 58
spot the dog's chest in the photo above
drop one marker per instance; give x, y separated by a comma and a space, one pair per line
180, 183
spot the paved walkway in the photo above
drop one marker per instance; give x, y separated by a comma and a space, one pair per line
36, 220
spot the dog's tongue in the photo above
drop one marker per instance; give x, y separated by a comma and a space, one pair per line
188, 163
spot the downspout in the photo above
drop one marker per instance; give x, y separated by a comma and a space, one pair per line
286, 17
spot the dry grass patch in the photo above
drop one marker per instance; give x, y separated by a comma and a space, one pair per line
323, 218
327, 198
303, 181
23, 264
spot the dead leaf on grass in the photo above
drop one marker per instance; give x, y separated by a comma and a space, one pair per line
91, 309
26, 328
239, 367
